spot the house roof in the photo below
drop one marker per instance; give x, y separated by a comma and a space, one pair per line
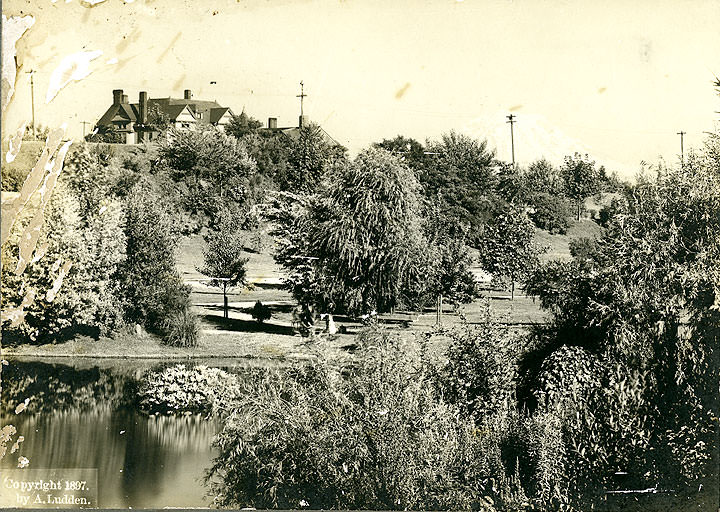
217, 113
203, 111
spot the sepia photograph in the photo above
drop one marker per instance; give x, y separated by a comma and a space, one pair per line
360, 255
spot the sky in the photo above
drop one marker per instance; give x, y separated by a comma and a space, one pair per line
614, 79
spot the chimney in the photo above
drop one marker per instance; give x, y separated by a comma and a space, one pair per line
117, 96
303, 121
143, 107
272, 122
124, 99
188, 94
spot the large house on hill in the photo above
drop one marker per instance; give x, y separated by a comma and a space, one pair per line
138, 122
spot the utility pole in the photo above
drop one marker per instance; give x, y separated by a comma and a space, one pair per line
32, 98
85, 123
511, 120
302, 96
682, 150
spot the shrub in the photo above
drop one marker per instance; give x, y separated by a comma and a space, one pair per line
77, 258
481, 368
181, 329
12, 179
550, 212
198, 389
379, 437
582, 248
261, 312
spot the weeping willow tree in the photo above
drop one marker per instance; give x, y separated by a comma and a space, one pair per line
358, 243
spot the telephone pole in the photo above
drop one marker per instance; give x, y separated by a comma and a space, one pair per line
32, 98
511, 120
682, 150
85, 123
302, 96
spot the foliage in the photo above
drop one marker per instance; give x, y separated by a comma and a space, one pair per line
41, 132
645, 303
223, 256
582, 248
90, 252
198, 389
541, 176
458, 173
261, 312
450, 275
480, 372
157, 119
242, 125
507, 247
549, 212
311, 155
151, 287
582, 179
410, 151
106, 135
210, 169
12, 179
379, 438
359, 242
181, 327
617, 206
88, 177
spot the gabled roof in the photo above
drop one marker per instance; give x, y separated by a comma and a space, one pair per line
217, 113
206, 112
117, 113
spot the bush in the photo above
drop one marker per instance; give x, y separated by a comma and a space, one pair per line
181, 329
550, 212
582, 248
12, 179
198, 389
76, 258
481, 369
379, 437
260, 312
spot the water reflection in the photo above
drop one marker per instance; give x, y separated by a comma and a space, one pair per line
88, 418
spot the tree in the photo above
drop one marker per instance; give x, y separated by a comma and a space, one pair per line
106, 134
645, 301
459, 173
582, 179
507, 247
242, 125
211, 169
311, 155
71, 274
150, 285
410, 151
222, 259
358, 242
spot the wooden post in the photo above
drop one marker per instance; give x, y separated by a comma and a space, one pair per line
225, 300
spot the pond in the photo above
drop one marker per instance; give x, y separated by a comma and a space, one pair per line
84, 414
